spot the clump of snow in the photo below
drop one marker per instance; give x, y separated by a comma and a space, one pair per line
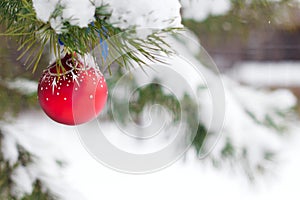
9, 149
44, 9
24, 86
246, 127
199, 10
262, 102
251, 134
145, 14
23, 183
124, 13
79, 12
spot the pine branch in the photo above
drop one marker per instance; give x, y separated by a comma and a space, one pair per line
20, 21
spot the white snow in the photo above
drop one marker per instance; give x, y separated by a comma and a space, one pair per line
24, 86
151, 14
266, 74
9, 149
78, 12
243, 131
83, 178
23, 183
44, 9
43, 139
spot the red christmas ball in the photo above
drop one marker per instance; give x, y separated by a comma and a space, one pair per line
74, 94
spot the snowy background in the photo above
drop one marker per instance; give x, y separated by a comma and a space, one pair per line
81, 177
85, 178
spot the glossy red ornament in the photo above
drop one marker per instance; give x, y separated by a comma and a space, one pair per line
74, 95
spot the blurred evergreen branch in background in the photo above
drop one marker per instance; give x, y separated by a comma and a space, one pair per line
245, 16
7, 184
14, 101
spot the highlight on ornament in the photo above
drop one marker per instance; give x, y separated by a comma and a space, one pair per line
74, 92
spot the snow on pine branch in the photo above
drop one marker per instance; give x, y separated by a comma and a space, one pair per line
124, 13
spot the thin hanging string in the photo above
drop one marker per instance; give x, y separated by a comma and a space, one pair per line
103, 44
